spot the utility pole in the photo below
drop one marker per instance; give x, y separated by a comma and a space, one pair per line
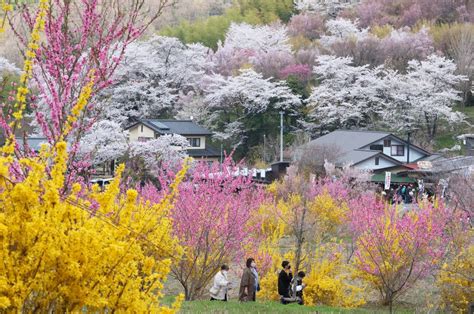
408, 147
264, 143
281, 136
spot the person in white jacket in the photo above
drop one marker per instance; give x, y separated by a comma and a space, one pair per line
221, 285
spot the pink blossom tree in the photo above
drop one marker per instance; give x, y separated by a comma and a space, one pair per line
215, 218
84, 42
395, 248
409, 12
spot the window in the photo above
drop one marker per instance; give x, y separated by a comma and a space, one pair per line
376, 147
398, 150
387, 143
141, 127
194, 141
377, 160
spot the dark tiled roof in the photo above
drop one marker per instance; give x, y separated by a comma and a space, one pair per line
182, 127
208, 152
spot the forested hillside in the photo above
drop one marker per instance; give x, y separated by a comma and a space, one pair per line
234, 65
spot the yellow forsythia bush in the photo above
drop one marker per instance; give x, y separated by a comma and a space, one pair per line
456, 281
80, 250
327, 284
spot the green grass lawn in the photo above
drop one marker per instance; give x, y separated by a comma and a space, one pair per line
231, 307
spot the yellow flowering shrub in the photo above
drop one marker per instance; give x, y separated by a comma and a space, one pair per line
456, 280
328, 283
99, 250
327, 278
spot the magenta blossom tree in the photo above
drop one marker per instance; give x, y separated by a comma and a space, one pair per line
82, 45
215, 218
396, 247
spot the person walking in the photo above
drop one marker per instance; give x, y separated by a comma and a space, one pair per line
284, 282
221, 285
249, 284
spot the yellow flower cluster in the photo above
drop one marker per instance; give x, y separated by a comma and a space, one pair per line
328, 284
30, 55
6, 7
456, 279
95, 250
327, 279
80, 105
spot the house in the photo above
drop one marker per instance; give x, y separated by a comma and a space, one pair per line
198, 137
370, 150
468, 142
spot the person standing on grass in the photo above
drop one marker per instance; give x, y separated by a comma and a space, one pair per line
300, 286
221, 285
284, 282
249, 284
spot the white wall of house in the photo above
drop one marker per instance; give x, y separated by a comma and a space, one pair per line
370, 164
140, 131
202, 142
414, 154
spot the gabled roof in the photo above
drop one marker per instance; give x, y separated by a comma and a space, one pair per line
181, 127
351, 142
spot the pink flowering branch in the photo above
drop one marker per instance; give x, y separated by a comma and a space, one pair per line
214, 218
80, 38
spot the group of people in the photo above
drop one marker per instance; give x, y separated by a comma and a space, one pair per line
290, 288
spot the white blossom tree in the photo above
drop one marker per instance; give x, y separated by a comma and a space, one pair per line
169, 149
347, 96
425, 96
358, 96
329, 6
153, 76
342, 29
249, 44
105, 141
230, 101
258, 38
8, 67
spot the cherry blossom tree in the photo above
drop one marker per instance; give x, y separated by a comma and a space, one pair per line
309, 25
341, 29
408, 13
425, 96
8, 67
258, 38
348, 96
231, 102
331, 7
358, 96
394, 50
214, 218
105, 141
152, 78
266, 47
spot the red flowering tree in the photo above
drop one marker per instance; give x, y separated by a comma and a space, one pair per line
215, 218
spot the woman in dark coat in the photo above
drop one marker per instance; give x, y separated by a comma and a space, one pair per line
249, 282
